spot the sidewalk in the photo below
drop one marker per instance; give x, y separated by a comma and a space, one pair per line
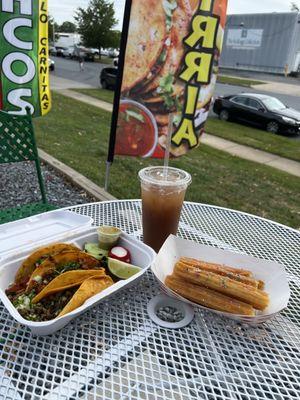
92, 101
238, 150
251, 154
278, 87
271, 86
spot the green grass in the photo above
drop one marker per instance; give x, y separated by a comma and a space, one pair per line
256, 138
101, 94
230, 80
77, 134
104, 60
259, 139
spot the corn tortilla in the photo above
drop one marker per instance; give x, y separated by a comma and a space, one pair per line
50, 264
87, 289
146, 38
179, 30
67, 280
29, 265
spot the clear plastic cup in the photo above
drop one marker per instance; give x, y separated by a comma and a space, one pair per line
163, 192
108, 236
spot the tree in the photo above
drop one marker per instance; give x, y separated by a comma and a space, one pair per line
115, 39
295, 7
67, 27
95, 24
52, 29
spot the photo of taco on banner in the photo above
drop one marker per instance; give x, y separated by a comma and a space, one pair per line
171, 66
61, 283
24, 74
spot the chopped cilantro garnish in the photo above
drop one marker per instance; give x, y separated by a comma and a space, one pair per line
166, 91
169, 6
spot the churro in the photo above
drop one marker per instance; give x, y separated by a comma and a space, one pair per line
207, 297
239, 271
220, 270
230, 287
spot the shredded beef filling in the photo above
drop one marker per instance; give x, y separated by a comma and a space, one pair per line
49, 307
46, 309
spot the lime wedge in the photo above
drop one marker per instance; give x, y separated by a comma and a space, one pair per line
121, 269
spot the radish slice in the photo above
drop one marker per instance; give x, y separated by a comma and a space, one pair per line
120, 253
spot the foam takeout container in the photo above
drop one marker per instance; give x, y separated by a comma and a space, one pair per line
272, 273
19, 239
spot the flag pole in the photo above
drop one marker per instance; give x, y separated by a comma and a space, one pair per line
114, 119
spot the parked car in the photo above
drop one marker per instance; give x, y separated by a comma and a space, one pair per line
95, 51
259, 110
104, 52
52, 51
83, 52
113, 53
70, 52
108, 77
51, 64
61, 51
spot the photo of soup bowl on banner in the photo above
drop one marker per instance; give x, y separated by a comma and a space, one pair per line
137, 132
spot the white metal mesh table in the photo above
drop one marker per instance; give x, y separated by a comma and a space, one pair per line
114, 351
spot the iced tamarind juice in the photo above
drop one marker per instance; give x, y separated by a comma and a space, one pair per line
163, 193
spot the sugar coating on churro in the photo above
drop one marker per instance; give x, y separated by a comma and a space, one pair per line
217, 286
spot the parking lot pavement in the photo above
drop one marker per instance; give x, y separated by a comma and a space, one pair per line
69, 69
58, 83
261, 76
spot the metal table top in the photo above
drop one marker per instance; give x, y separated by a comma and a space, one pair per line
115, 351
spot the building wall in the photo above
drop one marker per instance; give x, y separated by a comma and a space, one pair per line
260, 42
294, 61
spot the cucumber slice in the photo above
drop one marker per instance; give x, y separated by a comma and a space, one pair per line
94, 250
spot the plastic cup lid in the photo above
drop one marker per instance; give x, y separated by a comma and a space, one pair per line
162, 176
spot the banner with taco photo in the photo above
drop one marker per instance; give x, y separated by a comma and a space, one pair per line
170, 68
24, 74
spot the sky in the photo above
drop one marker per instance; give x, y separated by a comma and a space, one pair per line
63, 10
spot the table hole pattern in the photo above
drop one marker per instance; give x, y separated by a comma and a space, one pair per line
114, 351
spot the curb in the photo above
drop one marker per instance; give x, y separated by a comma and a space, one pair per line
251, 154
77, 179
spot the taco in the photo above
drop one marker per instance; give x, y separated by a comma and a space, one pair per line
57, 265
87, 289
35, 259
60, 302
146, 41
180, 24
67, 280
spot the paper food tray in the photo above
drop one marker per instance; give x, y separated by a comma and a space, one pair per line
142, 256
273, 274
